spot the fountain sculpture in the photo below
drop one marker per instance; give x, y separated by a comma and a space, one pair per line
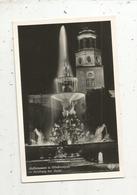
69, 128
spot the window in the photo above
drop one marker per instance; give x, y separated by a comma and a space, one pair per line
80, 60
88, 59
90, 81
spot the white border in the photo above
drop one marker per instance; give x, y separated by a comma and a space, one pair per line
77, 176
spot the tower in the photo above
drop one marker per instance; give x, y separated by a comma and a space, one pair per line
89, 68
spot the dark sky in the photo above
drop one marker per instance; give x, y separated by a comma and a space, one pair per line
38, 46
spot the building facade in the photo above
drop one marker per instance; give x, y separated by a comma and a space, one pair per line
89, 67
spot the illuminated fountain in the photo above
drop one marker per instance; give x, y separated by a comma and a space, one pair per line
69, 128
67, 108
65, 82
66, 95
67, 140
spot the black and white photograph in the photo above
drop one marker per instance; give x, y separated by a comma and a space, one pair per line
66, 100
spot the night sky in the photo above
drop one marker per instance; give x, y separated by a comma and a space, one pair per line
38, 45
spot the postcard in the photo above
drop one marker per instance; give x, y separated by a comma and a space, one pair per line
67, 99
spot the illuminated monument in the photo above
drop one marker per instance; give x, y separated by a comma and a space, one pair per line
89, 68
75, 98
76, 137
65, 84
66, 94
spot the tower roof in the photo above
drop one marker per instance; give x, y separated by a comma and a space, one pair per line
86, 30
87, 33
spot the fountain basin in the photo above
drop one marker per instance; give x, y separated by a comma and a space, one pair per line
70, 97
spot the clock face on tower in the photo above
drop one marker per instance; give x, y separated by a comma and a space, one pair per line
91, 74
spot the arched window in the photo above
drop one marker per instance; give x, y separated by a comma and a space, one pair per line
88, 59
80, 60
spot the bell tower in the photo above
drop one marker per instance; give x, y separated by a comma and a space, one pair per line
89, 68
